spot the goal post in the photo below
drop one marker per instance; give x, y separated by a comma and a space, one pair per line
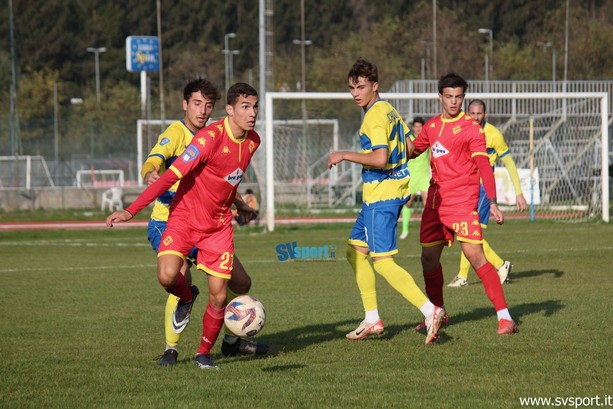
570, 153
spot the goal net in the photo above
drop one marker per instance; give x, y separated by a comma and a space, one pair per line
24, 172
559, 142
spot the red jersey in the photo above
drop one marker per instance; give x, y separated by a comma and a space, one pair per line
210, 170
453, 143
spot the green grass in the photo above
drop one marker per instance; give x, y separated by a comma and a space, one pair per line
82, 322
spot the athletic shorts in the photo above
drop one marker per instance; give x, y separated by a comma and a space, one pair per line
155, 229
375, 228
483, 207
215, 250
441, 225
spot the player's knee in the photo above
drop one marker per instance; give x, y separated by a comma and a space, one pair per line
352, 254
167, 278
241, 286
218, 300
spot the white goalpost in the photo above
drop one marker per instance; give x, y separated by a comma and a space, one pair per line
565, 163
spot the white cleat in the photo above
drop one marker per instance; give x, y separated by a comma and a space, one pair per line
504, 270
458, 282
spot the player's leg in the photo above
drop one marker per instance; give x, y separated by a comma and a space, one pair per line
357, 257
239, 284
171, 260
212, 320
491, 283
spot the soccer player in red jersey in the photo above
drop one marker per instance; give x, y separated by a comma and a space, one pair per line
459, 162
210, 170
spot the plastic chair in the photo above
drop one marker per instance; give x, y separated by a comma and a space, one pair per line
112, 198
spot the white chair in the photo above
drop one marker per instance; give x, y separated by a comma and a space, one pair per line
112, 198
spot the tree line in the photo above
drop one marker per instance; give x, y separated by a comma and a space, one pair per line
51, 38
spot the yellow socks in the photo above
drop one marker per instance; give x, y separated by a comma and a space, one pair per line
401, 281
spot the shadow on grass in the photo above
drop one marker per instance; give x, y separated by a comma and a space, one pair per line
535, 273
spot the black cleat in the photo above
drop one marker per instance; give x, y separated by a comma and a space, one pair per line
169, 358
243, 347
180, 318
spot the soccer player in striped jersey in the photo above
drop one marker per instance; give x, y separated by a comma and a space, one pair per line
383, 156
459, 161
496, 148
210, 170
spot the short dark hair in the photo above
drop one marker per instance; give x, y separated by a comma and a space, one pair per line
419, 120
206, 87
363, 68
452, 80
237, 90
478, 102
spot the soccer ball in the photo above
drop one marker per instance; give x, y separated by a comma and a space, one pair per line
245, 316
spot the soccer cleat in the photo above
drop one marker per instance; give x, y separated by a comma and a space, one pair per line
504, 270
169, 358
205, 362
243, 347
506, 327
422, 325
180, 317
433, 323
365, 329
458, 282
404, 235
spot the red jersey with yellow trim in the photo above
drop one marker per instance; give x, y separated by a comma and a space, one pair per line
210, 170
453, 144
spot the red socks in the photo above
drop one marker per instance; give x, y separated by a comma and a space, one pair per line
212, 321
493, 288
434, 286
180, 289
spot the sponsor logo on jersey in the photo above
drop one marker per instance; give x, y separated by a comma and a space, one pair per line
190, 153
235, 177
438, 150
201, 141
225, 150
212, 134
164, 141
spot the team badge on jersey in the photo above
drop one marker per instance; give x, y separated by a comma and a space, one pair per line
190, 153
164, 141
235, 177
438, 150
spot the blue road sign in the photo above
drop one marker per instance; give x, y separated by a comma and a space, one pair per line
142, 54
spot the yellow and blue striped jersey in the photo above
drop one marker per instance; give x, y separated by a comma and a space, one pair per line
382, 127
171, 143
497, 148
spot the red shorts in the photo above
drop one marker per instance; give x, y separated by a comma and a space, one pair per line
440, 225
215, 250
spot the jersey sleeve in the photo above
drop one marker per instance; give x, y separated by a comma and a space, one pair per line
509, 163
152, 192
376, 130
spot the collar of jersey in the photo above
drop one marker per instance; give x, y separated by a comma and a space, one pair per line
226, 123
460, 115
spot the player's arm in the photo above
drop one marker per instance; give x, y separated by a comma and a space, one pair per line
489, 184
245, 212
509, 163
376, 159
151, 168
147, 196
420, 144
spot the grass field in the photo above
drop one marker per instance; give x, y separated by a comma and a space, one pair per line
82, 325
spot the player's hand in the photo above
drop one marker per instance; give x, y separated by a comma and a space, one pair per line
246, 214
334, 158
152, 176
498, 216
521, 203
118, 216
